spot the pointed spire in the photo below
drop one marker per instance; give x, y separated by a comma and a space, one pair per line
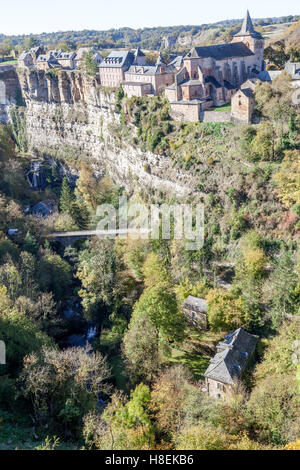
247, 28
160, 60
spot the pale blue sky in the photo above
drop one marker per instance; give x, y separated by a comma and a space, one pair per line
37, 16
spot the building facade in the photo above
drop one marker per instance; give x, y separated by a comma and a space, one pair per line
195, 311
211, 75
233, 356
157, 77
113, 68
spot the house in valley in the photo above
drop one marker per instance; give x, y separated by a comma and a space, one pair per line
195, 311
233, 356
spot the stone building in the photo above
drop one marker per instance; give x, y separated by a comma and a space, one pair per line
35, 52
66, 60
157, 77
243, 103
113, 67
25, 60
227, 366
47, 61
97, 57
211, 75
195, 311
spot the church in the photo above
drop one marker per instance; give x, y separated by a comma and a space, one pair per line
211, 75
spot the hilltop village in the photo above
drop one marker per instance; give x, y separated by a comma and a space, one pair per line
132, 343
206, 78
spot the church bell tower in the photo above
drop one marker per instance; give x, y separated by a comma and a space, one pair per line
252, 39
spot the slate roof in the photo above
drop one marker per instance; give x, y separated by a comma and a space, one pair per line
150, 69
268, 75
23, 55
66, 55
221, 51
293, 68
247, 28
232, 356
177, 62
44, 208
195, 303
228, 85
139, 53
118, 59
213, 81
247, 92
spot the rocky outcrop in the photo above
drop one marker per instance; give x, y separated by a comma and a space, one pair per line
73, 118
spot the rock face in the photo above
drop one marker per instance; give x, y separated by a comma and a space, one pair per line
73, 118
10, 92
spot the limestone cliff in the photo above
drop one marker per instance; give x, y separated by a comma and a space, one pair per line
71, 117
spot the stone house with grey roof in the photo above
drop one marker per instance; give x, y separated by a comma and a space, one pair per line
113, 68
233, 356
195, 311
211, 75
157, 77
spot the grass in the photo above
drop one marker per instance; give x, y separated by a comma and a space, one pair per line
225, 107
196, 351
9, 62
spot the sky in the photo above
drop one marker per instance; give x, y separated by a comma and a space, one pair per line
37, 16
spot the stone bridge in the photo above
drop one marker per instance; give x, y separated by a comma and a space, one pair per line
69, 238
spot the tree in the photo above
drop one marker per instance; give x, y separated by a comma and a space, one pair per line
30, 42
30, 244
54, 274
89, 66
141, 349
159, 303
154, 271
262, 145
225, 310
66, 197
97, 270
63, 385
287, 178
124, 425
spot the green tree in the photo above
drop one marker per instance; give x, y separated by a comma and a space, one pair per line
66, 197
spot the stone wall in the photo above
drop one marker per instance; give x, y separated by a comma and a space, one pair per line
181, 111
215, 116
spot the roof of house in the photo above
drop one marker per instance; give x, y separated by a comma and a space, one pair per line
268, 75
140, 84
247, 28
213, 81
118, 59
66, 55
232, 356
247, 92
150, 69
220, 51
293, 68
44, 208
139, 53
24, 54
228, 85
84, 50
195, 303
177, 62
